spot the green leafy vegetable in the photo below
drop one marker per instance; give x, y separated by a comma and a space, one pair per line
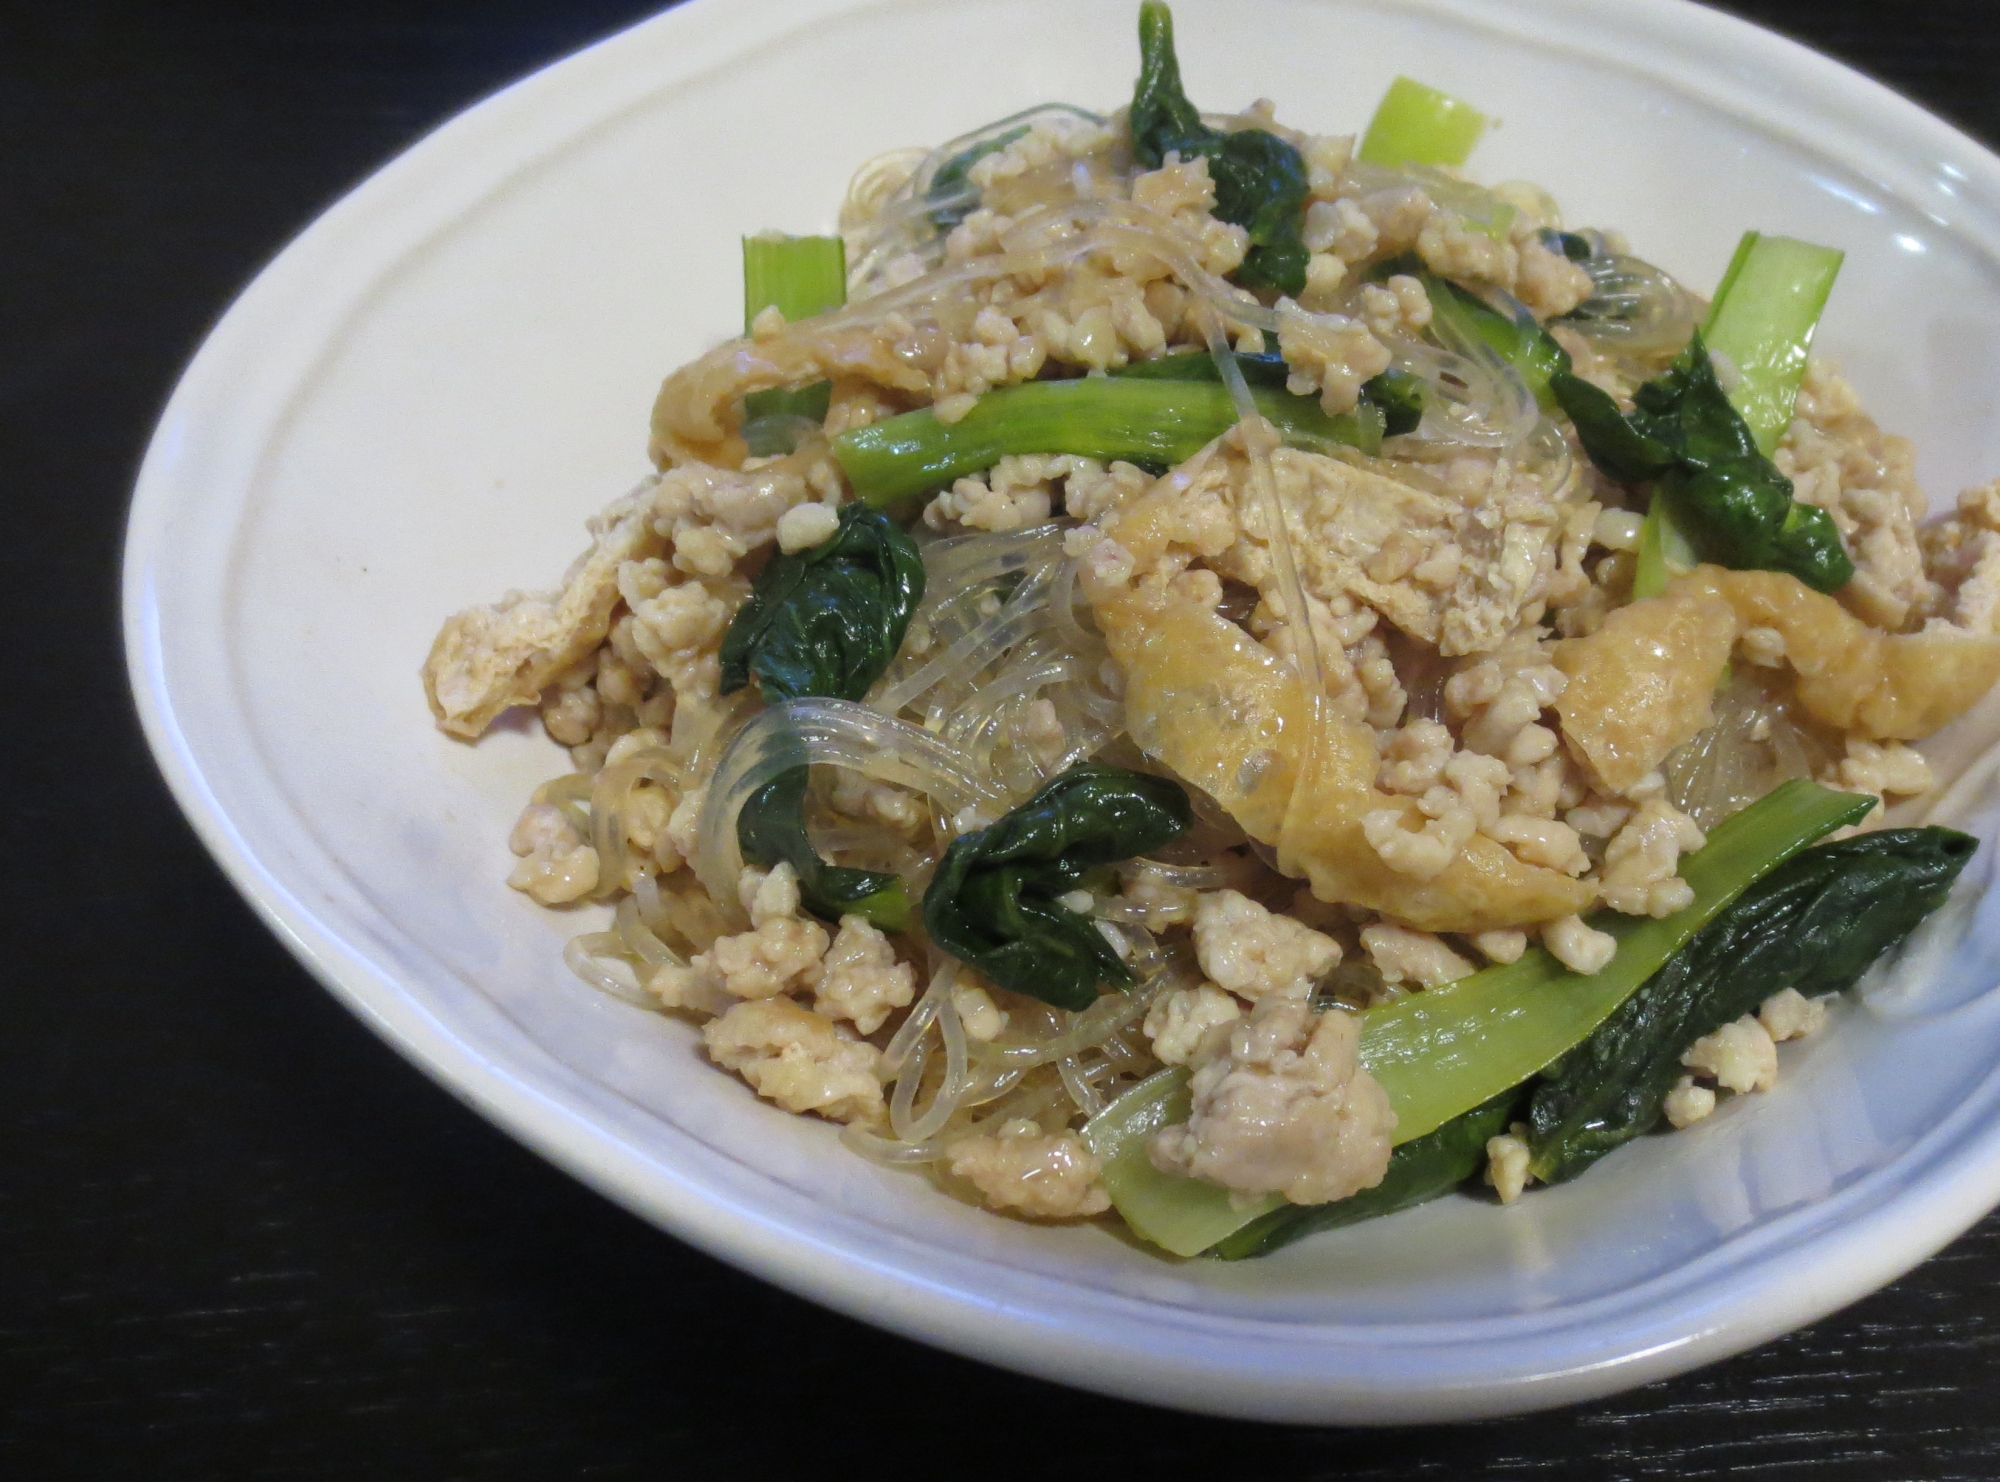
1141, 419
1730, 501
1444, 1051
771, 829
993, 901
1263, 368
1762, 321
800, 277
1517, 336
1260, 180
951, 193
1418, 125
824, 621
1398, 395
1441, 1053
1815, 924
1422, 1169
1183, 1216
1572, 245
827, 620
1664, 552
1402, 397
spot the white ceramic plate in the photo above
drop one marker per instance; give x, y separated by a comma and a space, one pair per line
418, 403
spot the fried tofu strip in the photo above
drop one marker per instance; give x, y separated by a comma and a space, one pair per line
1235, 720
1883, 686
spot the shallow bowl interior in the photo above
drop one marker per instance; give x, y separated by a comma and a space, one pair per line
419, 403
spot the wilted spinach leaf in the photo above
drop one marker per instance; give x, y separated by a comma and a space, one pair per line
993, 903
827, 620
1569, 244
1401, 397
1815, 923
771, 828
951, 193
1260, 180
1727, 497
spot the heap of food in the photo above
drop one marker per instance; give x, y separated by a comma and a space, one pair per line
1194, 667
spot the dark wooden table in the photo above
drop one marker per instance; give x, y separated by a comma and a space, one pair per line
240, 1238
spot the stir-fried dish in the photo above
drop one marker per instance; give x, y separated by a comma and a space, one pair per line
1240, 677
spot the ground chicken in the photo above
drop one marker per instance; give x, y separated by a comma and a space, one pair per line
1962, 562
981, 1017
1739, 1057
556, 865
1255, 953
805, 526
1024, 1170
1838, 459
1501, 946
1507, 1164
1789, 1014
781, 953
1578, 947
1181, 1023
1882, 768
768, 895
860, 979
1687, 1103
1642, 861
1283, 1106
798, 1059
1019, 491
1404, 955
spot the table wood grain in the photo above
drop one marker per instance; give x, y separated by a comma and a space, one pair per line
240, 1238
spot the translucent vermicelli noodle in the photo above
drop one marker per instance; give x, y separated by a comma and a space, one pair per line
1159, 595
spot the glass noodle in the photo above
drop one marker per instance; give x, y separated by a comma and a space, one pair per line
1001, 630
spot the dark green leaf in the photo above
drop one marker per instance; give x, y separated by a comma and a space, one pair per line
771, 828
951, 194
993, 901
1815, 923
1161, 114
1728, 498
1265, 368
1401, 397
1260, 180
1514, 334
828, 620
1569, 244
1421, 1170
1618, 448
1686, 408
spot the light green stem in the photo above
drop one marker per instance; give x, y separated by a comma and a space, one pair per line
1762, 323
800, 277
1162, 423
1418, 125
1664, 551
1444, 1051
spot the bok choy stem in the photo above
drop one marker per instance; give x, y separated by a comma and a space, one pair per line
1418, 125
1761, 324
1155, 422
1440, 1053
800, 277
